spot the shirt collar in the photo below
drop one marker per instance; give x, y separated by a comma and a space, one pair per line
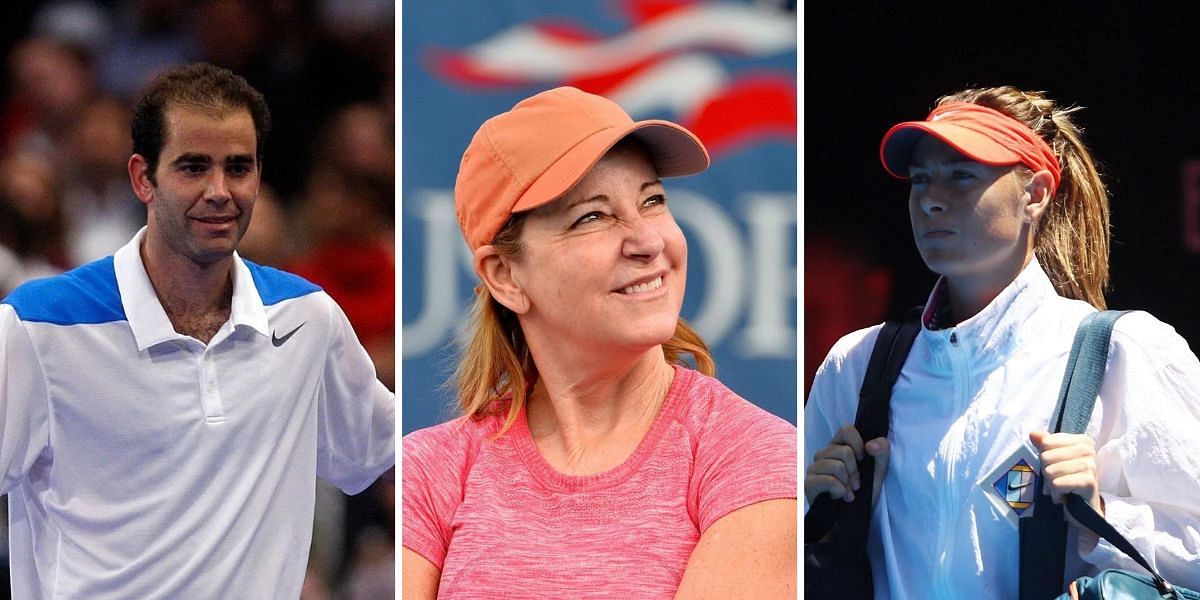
145, 313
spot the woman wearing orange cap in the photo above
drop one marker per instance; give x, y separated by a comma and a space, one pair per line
1006, 205
590, 461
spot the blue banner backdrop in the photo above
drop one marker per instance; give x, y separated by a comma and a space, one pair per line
727, 70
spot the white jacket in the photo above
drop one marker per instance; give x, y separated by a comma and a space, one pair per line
965, 403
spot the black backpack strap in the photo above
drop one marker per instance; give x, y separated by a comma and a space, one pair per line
1043, 534
883, 369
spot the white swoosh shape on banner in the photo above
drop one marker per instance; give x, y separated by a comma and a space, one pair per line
524, 52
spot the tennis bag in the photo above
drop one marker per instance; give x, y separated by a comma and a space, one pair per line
836, 565
1043, 535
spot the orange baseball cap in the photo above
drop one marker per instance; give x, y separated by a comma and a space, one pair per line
536, 152
980, 133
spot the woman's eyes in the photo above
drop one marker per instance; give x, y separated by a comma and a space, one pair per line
959, 175
596, 215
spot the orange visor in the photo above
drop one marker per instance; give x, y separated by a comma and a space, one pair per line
981, 134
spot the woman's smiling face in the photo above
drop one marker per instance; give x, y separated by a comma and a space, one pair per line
605, 265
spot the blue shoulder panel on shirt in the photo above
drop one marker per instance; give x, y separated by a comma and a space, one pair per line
275, 286
85, 295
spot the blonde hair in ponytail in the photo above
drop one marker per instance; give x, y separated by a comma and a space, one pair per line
1072, 239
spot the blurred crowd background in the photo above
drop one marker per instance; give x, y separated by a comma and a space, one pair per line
72, 71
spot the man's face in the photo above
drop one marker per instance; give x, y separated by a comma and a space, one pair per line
206, 183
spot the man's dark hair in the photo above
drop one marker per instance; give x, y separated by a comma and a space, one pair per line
198, 85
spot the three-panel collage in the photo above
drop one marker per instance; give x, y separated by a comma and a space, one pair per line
526, 299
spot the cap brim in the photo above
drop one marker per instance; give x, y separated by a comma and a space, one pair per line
898, 144
674, 150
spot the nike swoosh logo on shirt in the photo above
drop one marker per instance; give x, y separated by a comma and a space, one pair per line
1017, 487
279, 341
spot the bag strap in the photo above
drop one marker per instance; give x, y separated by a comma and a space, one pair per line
1088, 517
1085, 372
1076, 401
883, 369
1043, 534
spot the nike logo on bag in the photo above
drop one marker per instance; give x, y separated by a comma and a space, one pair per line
279, 341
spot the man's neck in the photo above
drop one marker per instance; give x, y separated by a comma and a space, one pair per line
196, 297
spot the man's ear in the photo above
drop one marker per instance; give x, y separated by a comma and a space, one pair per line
139, 178
1038, 194
497, 274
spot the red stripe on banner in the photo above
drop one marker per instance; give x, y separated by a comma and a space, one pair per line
752, 107
456, 68
640, 11
602, 83
567, 32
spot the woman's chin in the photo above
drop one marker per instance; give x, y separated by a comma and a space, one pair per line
648, 336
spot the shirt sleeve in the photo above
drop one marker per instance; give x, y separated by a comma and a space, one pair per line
432, 476
1148, 452
24, 404
356, 423
744, 455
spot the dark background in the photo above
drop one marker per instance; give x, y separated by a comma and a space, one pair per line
867, 67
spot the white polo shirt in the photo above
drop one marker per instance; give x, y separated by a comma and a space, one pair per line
142, 463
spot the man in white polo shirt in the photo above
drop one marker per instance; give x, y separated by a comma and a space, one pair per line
164, 412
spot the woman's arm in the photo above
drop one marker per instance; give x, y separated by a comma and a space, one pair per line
420, 577
1146, 451
748, 553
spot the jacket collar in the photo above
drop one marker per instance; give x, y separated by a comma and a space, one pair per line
998, 327
147, 318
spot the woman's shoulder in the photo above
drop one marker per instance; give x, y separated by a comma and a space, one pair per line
853, 347
454, 442
1144, 348
709, 406
846, 361
1141, 332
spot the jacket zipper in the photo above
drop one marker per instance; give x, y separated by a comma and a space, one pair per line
952, 444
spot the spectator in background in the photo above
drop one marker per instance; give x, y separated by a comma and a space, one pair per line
148, 37
346, 215
29, 185
358, 141
52, 84
270, 239
100, 212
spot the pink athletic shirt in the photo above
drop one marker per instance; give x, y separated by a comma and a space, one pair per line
501, 523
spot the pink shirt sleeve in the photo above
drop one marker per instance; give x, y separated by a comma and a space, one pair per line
433, 470
743, 455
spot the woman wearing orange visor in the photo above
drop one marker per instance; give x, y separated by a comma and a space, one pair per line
1007, 207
